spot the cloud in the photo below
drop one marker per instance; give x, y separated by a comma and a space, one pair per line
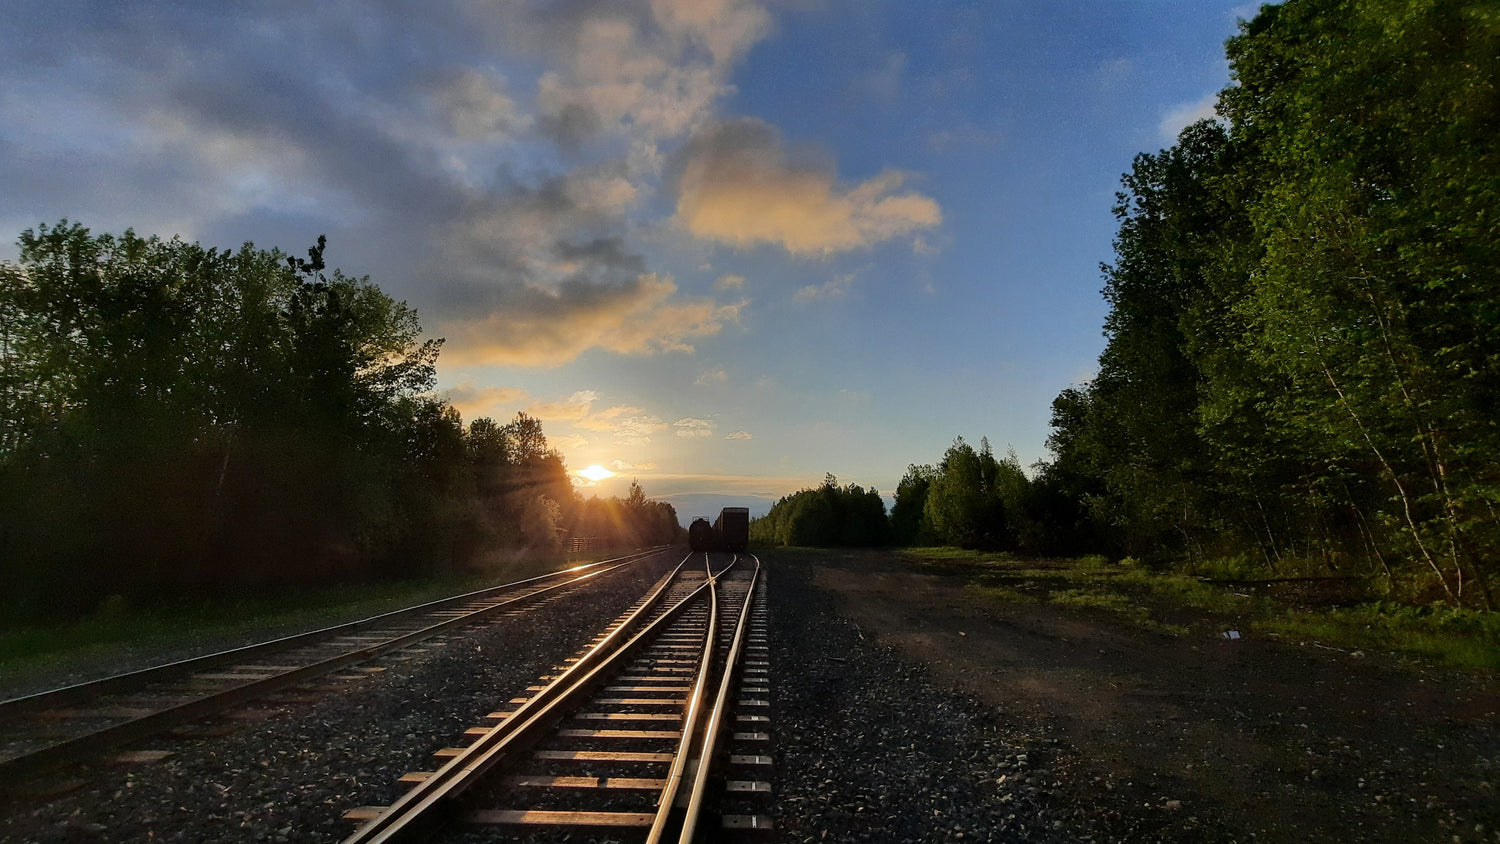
961, 139
396, 139
738, 435
834, 288
717, 375
885, 82
653, 73
739, 187
729, 281
540, 327
495, 402
628, 425
567, 442
477, 108
692, 429
570, 409
1186, 114
622, 467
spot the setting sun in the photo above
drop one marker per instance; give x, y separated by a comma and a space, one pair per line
595, 473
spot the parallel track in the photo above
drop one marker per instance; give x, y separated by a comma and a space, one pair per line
623, 739
83, 721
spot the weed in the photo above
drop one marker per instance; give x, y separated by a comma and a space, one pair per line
1132, 592
997, 593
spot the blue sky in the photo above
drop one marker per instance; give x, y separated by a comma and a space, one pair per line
721, 246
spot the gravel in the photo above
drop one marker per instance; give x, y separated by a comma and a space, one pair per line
868, 749
867, 746
287, 769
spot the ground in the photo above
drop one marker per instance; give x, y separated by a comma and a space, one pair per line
1195, 737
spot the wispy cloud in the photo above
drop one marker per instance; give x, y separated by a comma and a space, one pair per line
738, 435
835, 288
623, 467
729, 281
495, 402
1184, 115
739, 186
570, 409
962, 138
884, 82
717, 375
691, 428
549, 328
627, 425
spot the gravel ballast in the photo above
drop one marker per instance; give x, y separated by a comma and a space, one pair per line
288, 768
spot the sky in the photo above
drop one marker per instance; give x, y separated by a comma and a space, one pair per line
720, 247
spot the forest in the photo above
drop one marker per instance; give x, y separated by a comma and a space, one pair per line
1302, 365
1303, 343
181, 420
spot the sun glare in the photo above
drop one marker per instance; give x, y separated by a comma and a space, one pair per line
595, 473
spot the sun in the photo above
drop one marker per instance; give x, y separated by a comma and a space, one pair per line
595, 473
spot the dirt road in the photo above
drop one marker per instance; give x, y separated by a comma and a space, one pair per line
1198, 738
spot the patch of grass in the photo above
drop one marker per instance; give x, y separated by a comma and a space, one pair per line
1137, 595
1116, 604
1458, 637
996, 593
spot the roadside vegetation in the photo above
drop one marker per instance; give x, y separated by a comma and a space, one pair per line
1323, 612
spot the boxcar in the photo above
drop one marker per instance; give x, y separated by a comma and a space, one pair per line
733, 528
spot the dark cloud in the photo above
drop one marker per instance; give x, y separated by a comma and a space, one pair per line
389, 126
603, 252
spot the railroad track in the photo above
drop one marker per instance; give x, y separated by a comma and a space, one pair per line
84, 721
657, 730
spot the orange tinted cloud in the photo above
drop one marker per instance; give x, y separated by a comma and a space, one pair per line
738, 187
548, 327
498, 403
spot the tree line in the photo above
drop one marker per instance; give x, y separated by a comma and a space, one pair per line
1302, 366
1303, 356
178, 419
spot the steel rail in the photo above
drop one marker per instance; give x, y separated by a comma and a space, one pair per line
716, 718
90, 744
666, 801
430, 802
114, 684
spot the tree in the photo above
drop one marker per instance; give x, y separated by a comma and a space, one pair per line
185, 417
909, 525
1303, 352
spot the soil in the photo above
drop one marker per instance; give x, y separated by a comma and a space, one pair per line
1192, 738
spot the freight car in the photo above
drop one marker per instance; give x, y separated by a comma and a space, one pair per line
733, 528
729, 532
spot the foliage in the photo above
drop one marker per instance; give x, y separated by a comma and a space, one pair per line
179, 419
632, 522
1303, 358
828, 516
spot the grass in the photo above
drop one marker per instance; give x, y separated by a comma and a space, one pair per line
1179, 604
117, 629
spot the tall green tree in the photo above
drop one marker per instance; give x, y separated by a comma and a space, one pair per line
183, 417
1302, 342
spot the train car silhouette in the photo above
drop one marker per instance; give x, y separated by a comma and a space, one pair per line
729, 532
